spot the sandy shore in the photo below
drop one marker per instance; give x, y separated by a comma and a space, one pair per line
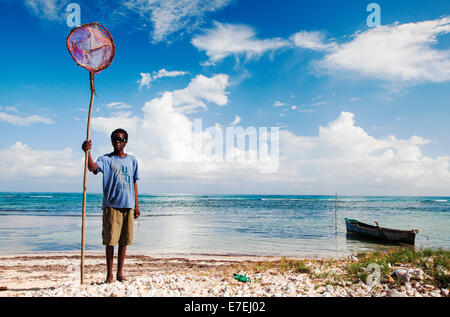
57, 274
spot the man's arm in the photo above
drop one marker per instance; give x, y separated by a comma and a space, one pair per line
86, 146
137, 212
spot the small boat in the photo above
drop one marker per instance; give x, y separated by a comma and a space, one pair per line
362, 230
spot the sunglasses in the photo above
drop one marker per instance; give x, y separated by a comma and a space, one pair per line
114, 139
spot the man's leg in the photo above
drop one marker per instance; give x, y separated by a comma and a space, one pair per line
109, 263
110, 238
126, 238
121, 259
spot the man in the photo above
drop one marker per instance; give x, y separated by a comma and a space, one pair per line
120, 199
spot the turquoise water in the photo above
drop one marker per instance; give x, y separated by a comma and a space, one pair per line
290, 225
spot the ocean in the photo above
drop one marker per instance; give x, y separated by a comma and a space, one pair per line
281, 225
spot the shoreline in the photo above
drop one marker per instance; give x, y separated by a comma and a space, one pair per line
189, 256
56, 274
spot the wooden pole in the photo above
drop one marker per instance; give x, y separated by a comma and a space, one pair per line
86, 158
335, 212
335, 222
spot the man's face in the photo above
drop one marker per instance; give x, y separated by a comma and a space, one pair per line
118, 141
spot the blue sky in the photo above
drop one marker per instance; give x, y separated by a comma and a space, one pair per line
379, 94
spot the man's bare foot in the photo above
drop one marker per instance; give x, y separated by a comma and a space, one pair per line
121, 278
109, 279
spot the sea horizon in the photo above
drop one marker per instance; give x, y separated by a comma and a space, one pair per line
228, 194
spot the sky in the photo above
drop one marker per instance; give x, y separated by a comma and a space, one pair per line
352, 102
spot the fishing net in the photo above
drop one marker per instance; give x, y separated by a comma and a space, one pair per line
91, 46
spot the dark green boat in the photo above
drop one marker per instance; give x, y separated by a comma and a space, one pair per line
365, 231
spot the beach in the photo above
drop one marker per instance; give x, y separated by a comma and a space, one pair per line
57, 275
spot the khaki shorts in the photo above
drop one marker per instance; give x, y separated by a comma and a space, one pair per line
117, 226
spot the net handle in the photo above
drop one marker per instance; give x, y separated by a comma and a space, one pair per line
86, 158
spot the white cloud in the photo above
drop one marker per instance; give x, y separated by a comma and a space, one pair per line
47, 9
24, 120
119, 119
312, 40
147, 78
343, 157
11, 109
239, 40
118, 105
163, 17
278, 104
201, 89
165, 73
236, 120
170, 16
22, 162
395, 53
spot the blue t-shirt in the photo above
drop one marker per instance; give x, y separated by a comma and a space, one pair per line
119, 175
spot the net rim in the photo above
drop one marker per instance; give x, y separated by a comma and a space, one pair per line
97, 70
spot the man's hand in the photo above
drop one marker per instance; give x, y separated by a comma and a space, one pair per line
86, 146
137, 212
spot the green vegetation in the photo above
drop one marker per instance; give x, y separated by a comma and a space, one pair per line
294, 265
434, 267
434, 263
282, 265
